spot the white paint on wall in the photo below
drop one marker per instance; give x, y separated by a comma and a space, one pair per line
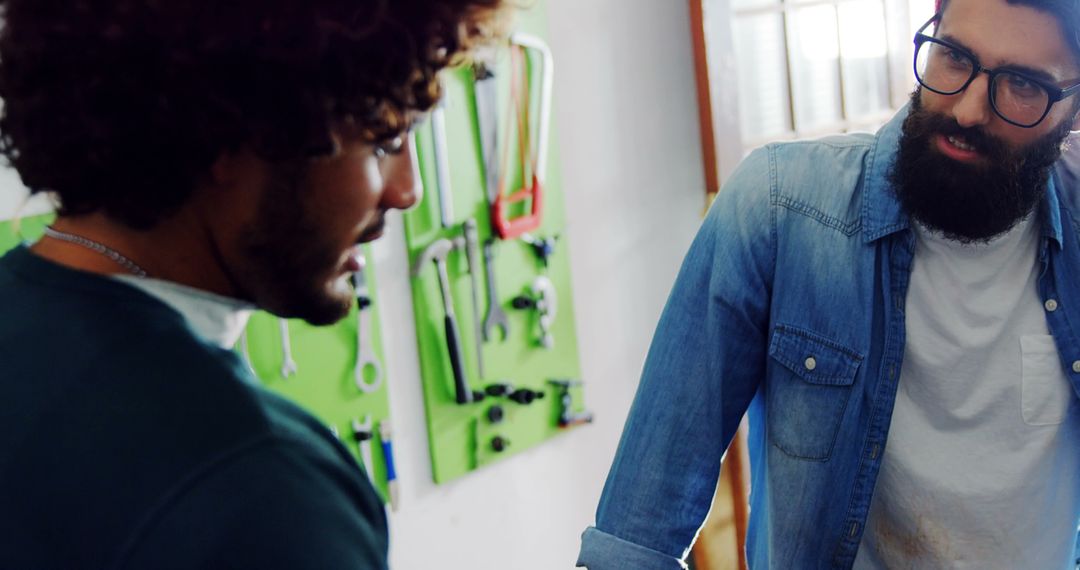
15, 200
626, 116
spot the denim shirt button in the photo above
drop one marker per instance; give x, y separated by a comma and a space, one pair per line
1051, 305
811, 363
1076, 366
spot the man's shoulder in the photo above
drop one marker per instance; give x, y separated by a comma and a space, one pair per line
824, 178
828, 166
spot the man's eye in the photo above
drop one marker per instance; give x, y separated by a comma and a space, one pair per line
392, 147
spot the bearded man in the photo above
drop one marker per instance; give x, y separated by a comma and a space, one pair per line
207, 158
898, 315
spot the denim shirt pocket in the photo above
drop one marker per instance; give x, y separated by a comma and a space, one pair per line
807, 390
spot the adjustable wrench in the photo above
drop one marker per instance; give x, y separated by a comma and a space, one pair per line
288, 365
365, 350
496, 317
472, 241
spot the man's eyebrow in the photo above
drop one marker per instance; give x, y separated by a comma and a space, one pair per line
1032, 72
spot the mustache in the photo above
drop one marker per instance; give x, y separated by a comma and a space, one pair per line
373, 229
990, 146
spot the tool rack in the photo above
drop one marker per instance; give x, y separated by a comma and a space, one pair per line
528, 390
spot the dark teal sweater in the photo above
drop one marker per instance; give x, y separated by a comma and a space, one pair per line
128, 442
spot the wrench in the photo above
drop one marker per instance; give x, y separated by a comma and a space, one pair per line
472, 240
496, 317
365, 351
288, 365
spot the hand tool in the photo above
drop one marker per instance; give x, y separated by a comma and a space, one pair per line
544, 301
367, 363
288, 365
442, 164
525, 396
485, 91
437, 252
388, 458
472, 242
498, 390
362, 433
547, 303
245, 352
533, 154
544, 248
496, 317
547, 77
567, 416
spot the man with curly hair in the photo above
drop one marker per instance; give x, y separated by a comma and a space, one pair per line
206, 158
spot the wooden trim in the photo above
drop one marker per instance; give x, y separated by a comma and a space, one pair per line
704, 97
740, 486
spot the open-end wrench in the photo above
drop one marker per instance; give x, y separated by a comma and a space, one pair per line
367, 363
496, 317
288, 365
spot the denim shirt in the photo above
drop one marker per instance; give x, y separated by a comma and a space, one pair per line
789, 308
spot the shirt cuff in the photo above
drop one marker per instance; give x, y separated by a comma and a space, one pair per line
603, 551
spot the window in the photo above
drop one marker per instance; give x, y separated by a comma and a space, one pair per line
807, 68
787, 69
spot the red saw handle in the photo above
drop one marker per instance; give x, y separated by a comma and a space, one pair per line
510, 228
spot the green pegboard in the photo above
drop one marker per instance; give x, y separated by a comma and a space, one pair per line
14, 232
324, 383
461, 435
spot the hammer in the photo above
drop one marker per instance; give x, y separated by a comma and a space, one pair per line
437, 252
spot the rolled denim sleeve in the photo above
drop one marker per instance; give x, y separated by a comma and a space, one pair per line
602, 551
705, 364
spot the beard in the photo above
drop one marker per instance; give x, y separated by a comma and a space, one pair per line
976, 202
290, 266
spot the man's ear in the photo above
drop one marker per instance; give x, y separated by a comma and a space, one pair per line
235, 171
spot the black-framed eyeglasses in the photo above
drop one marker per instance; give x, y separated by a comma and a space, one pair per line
1015, 96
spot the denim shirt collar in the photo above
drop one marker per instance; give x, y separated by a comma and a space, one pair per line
882, 214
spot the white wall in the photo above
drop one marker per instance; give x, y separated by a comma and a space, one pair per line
15, 200
631, 170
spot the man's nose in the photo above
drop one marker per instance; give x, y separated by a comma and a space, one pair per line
401, 178
972, 105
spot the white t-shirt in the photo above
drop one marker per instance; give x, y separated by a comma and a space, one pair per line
981, 464
218, 320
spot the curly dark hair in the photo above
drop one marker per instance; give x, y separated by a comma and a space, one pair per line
122, 106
